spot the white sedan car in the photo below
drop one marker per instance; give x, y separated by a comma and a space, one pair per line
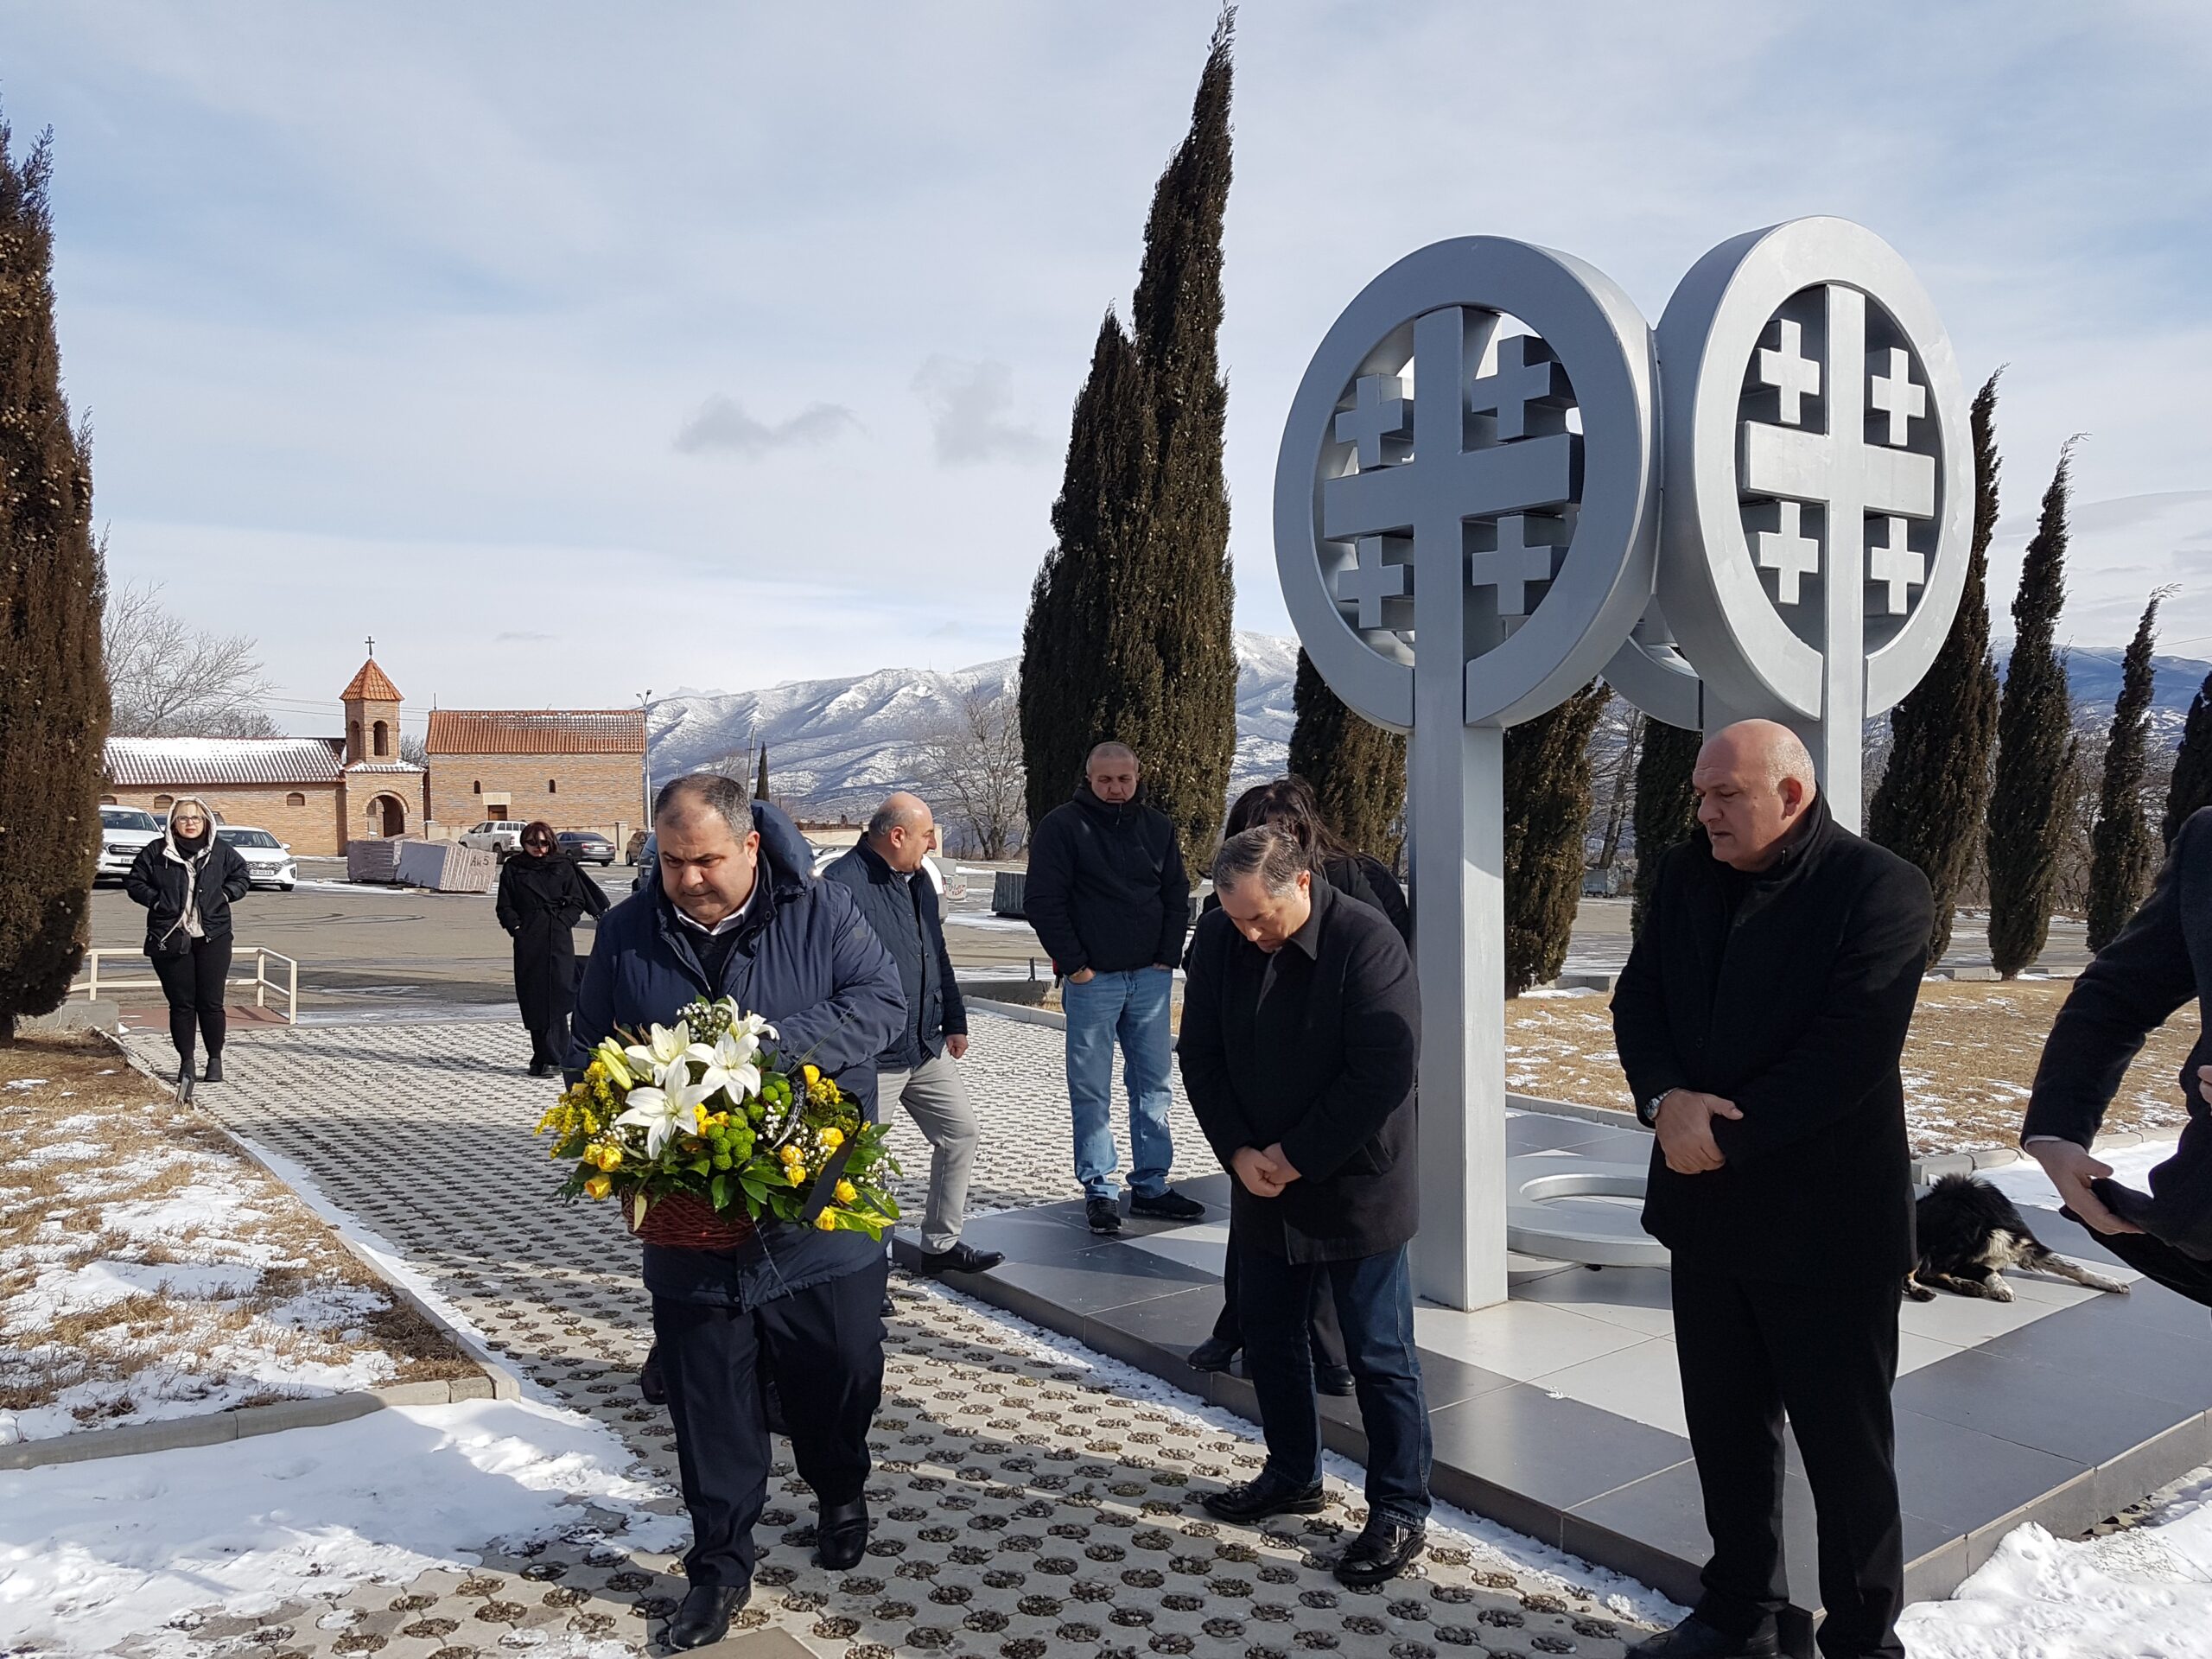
123, 831
268, 861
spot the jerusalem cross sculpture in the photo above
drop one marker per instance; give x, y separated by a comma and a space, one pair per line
1467, 528
1464, 519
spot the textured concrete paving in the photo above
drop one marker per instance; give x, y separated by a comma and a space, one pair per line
1028, 1499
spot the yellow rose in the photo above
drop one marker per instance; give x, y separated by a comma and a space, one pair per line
826, 1221
833, 1139
846, 1192
599, 1187
610, 1157
812, 1073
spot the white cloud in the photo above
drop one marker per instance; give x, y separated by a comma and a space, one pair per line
968, 404
723, 424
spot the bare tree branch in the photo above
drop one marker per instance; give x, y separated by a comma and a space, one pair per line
974, 766
168, 678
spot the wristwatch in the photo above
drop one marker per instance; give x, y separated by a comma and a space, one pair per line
1648, 1113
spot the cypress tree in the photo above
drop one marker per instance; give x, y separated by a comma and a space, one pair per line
53, 701
1547, 811
1129, 632
2191, 788
1358, 769
2122, 853
761, 784
2035, 746
1930, 805
1666, 805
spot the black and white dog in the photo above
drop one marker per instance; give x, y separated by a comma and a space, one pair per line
1969, 1233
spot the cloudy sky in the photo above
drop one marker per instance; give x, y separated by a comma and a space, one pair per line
575, 350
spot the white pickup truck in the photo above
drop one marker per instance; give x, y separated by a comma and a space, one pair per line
498, 837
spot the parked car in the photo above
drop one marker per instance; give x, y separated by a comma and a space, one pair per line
498, 837
268, 861
587, 846
123, 831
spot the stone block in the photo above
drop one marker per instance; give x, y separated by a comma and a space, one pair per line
100, 1015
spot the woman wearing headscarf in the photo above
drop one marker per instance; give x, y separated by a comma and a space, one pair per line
187, 880
542, 894
1290, 805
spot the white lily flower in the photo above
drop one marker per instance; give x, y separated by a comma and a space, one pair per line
663, 1046
662, 1112
734, 1064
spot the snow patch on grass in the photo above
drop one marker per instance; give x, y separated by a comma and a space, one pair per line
92, 1554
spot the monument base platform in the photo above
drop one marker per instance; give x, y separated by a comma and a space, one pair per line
1558, 1412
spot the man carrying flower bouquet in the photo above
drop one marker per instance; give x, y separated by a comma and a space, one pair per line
736, 914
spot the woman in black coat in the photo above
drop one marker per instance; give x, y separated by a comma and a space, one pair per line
187, 880
1289, 803
542, 894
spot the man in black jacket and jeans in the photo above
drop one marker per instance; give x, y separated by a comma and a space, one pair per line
921, 1068
1110, 900
1301, 1023
1760, 1020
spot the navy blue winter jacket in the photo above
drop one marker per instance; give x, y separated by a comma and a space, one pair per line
903, 911
805, 960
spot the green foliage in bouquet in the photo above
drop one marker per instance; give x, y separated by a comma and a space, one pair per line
708, 1108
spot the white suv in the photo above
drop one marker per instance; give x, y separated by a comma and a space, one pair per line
123, 831
497, 836
268, 861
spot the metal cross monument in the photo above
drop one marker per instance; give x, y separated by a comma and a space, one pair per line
1468, 529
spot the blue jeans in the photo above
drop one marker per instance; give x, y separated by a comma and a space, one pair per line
1132, 1006
1375, 1304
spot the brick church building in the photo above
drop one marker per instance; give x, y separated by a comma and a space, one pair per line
578, 769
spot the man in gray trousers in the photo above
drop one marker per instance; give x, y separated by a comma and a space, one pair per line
921, 1068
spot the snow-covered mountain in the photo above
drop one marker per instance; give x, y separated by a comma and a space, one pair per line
843, 744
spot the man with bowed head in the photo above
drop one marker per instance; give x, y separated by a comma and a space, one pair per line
1301, 1023
737, 913
1760, 1020
1110, 902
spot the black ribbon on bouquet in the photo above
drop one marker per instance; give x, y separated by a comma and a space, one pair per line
825, 1184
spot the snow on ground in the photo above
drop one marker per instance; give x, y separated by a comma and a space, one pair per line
2144, 1592
94, 1554
149, 1272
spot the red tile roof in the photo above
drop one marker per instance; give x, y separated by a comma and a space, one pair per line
183, 762
371, 685
530, 731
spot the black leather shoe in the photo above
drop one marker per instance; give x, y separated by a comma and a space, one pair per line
1380, 1554
841, 1536
887, 1311
704, 1616
651, 1383
539, 1068
214, 1071
1334, 1379
1170, 1205
1268, 1494
960, 1258
1695, 1639
1215, 1354
1103, 1215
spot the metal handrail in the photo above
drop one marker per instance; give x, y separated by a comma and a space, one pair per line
288, 986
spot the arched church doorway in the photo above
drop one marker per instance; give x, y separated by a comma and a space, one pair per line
386, 815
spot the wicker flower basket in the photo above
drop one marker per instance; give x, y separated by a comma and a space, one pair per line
681, 1221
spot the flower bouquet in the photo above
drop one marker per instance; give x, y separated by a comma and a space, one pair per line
702, 1131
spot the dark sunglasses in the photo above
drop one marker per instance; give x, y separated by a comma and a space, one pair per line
536, 841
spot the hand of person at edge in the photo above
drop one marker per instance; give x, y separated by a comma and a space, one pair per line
1685, 1126
1254, 1169
2071, 1168
1082, 977
956, 1044
1286, 1172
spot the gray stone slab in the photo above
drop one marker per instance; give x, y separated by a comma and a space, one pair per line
1558, 1451
2034, 1405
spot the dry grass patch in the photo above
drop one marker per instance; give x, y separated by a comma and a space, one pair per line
1967, 1063
148, 1270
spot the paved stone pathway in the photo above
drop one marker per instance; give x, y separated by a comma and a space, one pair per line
1028, 1499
